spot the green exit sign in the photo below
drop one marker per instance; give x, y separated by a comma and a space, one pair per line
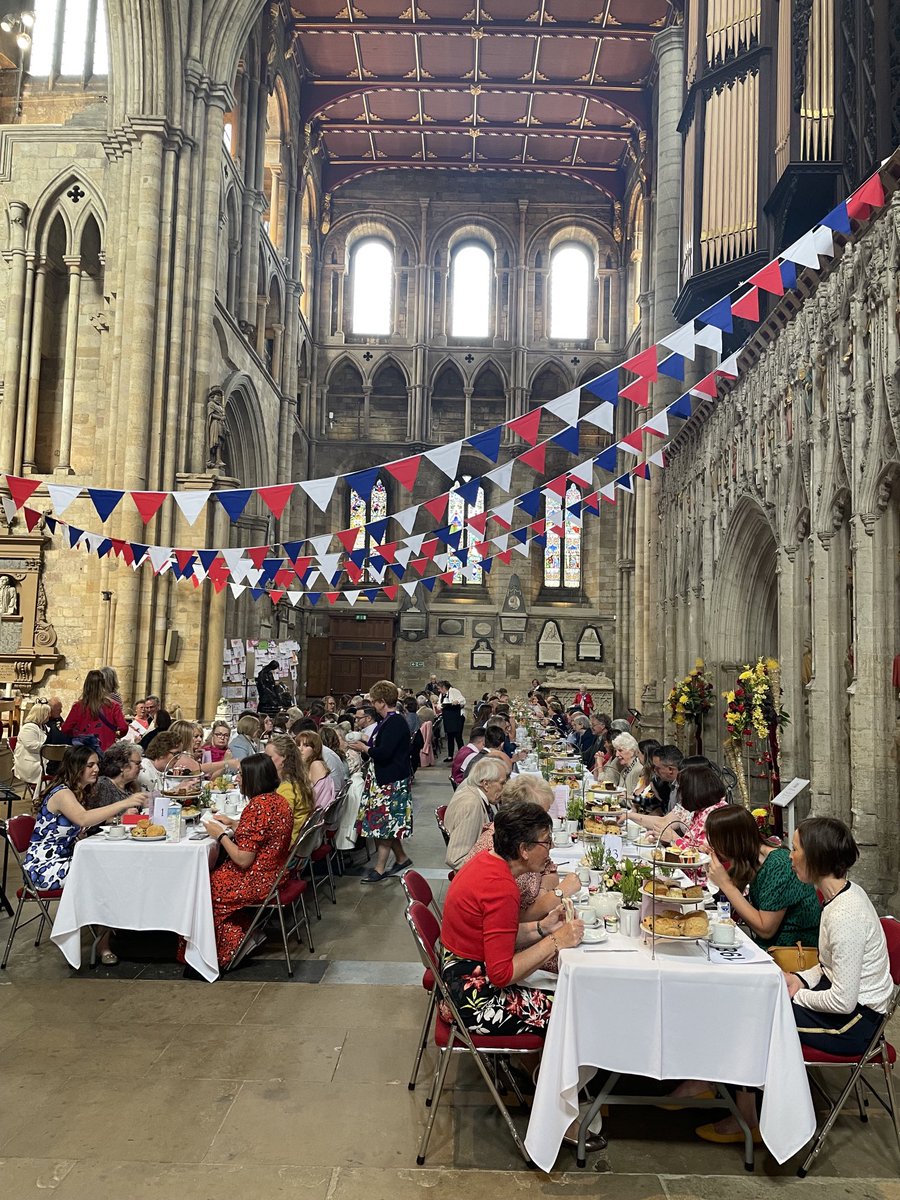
361, 617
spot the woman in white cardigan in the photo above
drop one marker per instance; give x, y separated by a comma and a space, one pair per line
839, 1003
27, 765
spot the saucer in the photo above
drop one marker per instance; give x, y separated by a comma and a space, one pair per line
594, 934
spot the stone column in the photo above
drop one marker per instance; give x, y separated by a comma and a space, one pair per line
64, 467
277, 353
34, 366
24, 358
419, 398
15, 316
519, 335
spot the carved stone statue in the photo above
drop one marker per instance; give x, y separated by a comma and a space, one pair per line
215, 428
9, 597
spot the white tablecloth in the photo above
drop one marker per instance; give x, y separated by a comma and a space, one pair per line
679, 1017
133, 885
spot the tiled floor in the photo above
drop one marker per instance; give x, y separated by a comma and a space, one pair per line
134, 1082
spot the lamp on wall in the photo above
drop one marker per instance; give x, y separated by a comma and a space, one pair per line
20, 25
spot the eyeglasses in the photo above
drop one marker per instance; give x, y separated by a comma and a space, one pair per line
545, 842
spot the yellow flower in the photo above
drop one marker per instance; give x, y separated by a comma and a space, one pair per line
699, 664
772, 664
729, 696
745, 674
759, 812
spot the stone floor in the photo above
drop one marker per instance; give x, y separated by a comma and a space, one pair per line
134, 1082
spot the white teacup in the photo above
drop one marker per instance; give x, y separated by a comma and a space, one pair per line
588, 914
561, 838
116, 833
723, 933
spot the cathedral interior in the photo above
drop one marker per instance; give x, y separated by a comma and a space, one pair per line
497, 340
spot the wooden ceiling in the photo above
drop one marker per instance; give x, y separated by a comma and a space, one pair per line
510, 85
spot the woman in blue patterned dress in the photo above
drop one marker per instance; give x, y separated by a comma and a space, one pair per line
62, 817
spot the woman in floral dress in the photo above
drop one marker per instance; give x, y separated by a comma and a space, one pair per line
486, 950
255, 848
385, 813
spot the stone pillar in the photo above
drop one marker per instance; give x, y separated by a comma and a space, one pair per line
34, 366
519, 338
64, 466
277, 353
15, 316
419, 398
24, 358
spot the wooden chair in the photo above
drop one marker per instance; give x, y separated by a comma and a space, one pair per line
11, 716
50, 754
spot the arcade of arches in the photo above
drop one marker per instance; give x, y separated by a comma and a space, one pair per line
246, 245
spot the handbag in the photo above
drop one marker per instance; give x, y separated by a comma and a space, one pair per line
795, 958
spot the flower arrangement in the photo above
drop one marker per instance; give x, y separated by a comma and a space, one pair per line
691, 700
575, 808
763, 818
626, 877
753, 709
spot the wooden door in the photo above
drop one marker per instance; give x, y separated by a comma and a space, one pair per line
361, 651
317, 666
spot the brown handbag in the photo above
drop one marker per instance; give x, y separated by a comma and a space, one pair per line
795, 958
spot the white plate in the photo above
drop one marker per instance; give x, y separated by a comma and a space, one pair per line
680, 901
670, 937
646, 852
159, 837
594, 935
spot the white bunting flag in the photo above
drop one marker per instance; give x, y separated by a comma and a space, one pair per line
62, 495
502, 476
608, 491
320, 491
191, 504
329, 564
159, 555
566, 407
351, 597
505, 511
415, 543
603, 416
320, 543
804, 251
682, 341
730, 366
446, 458
626, 449
233, 557
440, 561
658, 459
501, 541
406, 518
584, 473
711, 337
659, 423
93, 541
403, 555
237, 589
522, 548
409, 588
295, 598
824, 241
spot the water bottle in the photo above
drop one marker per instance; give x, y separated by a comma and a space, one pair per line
723, 911
174, 821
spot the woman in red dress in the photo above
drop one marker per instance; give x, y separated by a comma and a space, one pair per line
255, 848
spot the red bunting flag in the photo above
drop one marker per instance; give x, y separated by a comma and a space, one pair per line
438, 506
301, 566
527, 426
332, 597
257, 554
870, 195
21, 490
391, 591
707, 386
388, 551
482, 549
218, 583
644, 364
479, 522
642, 472
419, 565
284, 577
275, 596
747, 306
635, 440
276, 498
183, 557
354, 573
430, 548
405, 471
504, 556
557, 486
446, 577
501, 521
769, 278
148, 504
638, 391
348, 538
535, 458
538, 527
128, 554
32, 516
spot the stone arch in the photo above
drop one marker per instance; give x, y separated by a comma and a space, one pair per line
744, 607
389, 403
448, 403
74, 214
344, 401
246, 449
548, 381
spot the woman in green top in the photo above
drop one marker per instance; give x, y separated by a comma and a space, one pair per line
764, 892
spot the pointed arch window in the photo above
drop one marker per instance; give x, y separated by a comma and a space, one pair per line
69, 38
471, 272
372, 283
363, 511
562, 555
459, 513
570, 285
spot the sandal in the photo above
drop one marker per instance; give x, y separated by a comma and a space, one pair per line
108, 958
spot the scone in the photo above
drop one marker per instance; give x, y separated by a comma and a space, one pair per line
694, 892
695, 925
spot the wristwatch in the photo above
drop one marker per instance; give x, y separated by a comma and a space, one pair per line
559, 893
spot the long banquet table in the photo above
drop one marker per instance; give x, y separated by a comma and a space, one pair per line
678, 1016
131, 884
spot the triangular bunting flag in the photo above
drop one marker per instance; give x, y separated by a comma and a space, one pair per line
644, 364
348, 538
769, 279
681, 341
530, 502
391, 591
567, 439
608, 492
718, 314
487, 443
803, 251
606, 459
258, 555
535, 458
469, 491
405, 471
583, 473
711, 337
478, 522
838, 220
63, 494
524, 549
642, 471
870, 195
527, 426
21, 490
419, 565
438, 506
504, 556
502, 476
557, 486
823, 239
320, 491
446, 458
566, 407
788, 275
658, 459
351, 597
406, 518
681, 407
237, 589
320, 543
159, 556
603, 416
638, 391
747, 306
605, 386
673, 367
207, 558
362, 482
191, 504
276, 498
429, 581
105, 501
706, 387
503, 513
32, 516
409, 588
729, 367
624, 483
233, 500
634, 441
658, 424
75, 534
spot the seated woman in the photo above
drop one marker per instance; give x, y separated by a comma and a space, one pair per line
333, 756
838, 1003
540, 891
216, 748
119, 769
294, 783
700, 791
471, 808
62, 817
27, 765
163, 750
777, 907
246, 739
625, 769
255, 848
486, 952
310, 746
646, 793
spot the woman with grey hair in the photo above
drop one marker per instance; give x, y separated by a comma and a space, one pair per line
472, 807
119, 769
625, 769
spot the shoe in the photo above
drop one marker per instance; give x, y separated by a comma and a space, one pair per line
373, 876
448, 760
709, 1133
593, 1142
399, 867
706, 1094
108, 958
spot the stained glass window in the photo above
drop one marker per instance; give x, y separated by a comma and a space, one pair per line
361, 512
562, 556
458, 513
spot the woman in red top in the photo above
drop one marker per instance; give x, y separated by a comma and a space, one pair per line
255, 847
95, 715
486, 952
